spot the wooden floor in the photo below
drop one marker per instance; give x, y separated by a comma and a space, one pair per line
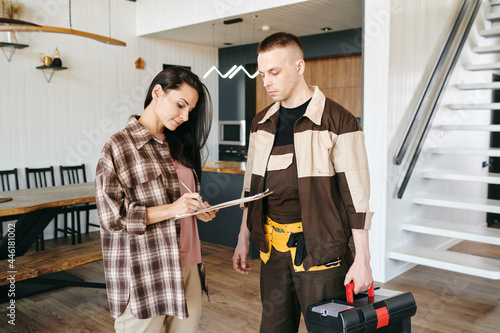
446, 301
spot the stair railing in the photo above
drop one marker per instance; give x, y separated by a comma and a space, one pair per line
435, 87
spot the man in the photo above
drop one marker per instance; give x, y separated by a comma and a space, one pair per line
310, 152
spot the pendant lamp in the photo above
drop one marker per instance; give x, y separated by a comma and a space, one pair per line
7, 24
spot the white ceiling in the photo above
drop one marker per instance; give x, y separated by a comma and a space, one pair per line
301, 19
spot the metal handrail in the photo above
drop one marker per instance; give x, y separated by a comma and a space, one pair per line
445, 65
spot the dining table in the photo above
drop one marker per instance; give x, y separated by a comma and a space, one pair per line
35, 208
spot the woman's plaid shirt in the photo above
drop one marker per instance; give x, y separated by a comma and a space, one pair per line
141, 263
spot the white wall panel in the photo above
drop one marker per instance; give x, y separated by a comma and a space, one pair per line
68, 120
376, 46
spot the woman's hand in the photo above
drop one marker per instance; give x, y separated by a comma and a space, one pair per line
187, 203
207, 216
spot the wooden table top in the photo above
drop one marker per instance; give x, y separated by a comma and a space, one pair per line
29, 200
232, 167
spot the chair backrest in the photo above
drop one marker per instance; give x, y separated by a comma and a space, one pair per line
40, 177
5, 179
73, 174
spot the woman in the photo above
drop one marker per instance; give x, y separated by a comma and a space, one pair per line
152, 263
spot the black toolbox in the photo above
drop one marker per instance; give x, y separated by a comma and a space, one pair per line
381, 310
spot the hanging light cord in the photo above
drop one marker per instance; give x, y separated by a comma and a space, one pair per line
239, 26
70, 23
213, 35
253, 31
109, 16
225, 34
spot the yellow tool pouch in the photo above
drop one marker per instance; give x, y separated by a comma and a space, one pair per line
268, 234
278, 235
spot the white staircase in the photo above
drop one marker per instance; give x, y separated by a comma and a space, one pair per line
479, 86
451, 261
452, 231
488, 128
493, 17
458, 202
474, 233
490, 178
486, 49
489, 106
467, 151
483, 67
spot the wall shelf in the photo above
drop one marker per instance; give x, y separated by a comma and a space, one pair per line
13, 47
52, 70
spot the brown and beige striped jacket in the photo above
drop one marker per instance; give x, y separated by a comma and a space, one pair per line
332, 167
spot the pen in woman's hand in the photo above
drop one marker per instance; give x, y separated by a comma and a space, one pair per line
187, 188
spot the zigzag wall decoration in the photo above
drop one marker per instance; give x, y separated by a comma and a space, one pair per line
231, 72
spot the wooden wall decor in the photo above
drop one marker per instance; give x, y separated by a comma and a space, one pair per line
339, 78
139, 63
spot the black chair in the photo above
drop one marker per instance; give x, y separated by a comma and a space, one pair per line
39, 176
75, 175
5, 177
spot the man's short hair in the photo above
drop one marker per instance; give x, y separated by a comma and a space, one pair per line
280, 40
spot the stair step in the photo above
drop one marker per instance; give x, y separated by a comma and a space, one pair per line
490, 33
489, 106
495, 2
486, 49
450, 201
474, 233
489, 178
493, 17
494, 152
489, 128
477, 86
451, 261
483, 67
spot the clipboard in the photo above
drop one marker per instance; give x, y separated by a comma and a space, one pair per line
227, 204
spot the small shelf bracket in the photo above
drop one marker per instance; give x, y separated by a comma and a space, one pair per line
12, 47
52, 70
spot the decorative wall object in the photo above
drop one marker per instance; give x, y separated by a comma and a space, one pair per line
139, 63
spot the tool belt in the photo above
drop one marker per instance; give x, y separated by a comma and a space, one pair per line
290, 237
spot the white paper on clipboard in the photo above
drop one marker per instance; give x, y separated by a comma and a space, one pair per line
228, 204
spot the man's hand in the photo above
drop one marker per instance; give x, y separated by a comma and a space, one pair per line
360, 272
240, 257
240, 253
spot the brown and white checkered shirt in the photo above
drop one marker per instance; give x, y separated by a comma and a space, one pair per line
141, 263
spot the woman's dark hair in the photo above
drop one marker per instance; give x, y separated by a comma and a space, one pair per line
188, 140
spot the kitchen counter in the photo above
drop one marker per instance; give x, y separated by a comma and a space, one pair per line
222, 181
231, 167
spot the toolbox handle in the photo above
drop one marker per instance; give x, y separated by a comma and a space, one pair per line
349, 291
